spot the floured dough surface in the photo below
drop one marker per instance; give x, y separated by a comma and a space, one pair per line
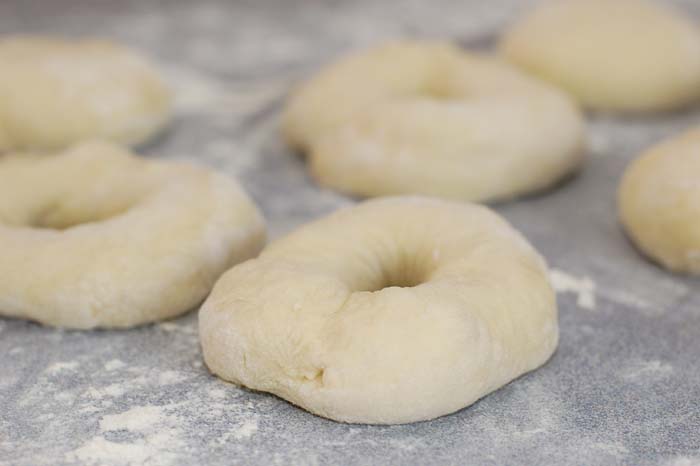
96, 237
396, 310
659, 203
55, 92
617, 55
430, 118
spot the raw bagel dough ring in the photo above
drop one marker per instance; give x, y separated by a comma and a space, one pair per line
616, 55
54, 93
429, 118
659, 203
397, 310
95, 237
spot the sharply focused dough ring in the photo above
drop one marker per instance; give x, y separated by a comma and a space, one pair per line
317, 320
429, 118
618, 55
659, 202
95, 237
55, 93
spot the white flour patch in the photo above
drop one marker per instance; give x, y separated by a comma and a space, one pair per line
584, 288
114, 364
197, 93
173, 327
614, 448
58, 367
151, 436
645, 370
170, 377
683, 461
217, 393
110, 391
588, 292
242, 431
624, 298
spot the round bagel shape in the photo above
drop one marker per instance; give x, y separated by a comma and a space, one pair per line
612, 55
429, 118
397, 310
57, 92
659, 203
96, 237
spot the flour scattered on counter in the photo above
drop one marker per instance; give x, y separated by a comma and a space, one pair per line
647, 369
625, 298
197, 93
173, 327
217, 393
110, 391
114, 364
245, 430
584, 288
614, 448
683, 461
59, 367
152, 435
170, 377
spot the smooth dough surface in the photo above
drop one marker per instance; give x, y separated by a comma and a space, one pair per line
659, 203
96, 237
430, 118
615, 55
56, 92
396, 310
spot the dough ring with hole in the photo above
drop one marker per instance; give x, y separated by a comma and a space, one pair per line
95, 237
429, 118
397, 310
617, 55
659, 203
54, 93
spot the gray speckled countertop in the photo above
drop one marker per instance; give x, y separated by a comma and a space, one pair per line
623, 387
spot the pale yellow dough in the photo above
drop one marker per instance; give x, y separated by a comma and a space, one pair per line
96, 237
659, 203
396, 310
429, 118
616, 55
57, 92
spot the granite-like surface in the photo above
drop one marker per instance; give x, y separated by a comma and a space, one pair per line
623, 388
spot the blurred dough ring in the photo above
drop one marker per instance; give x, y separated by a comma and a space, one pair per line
55, 93
659, 203
393, 311
95, 237
619, 55
429, 118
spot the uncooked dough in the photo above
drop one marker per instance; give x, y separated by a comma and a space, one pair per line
95, 237
617, 55
55, 92
429, 118
659, 203
397, 310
